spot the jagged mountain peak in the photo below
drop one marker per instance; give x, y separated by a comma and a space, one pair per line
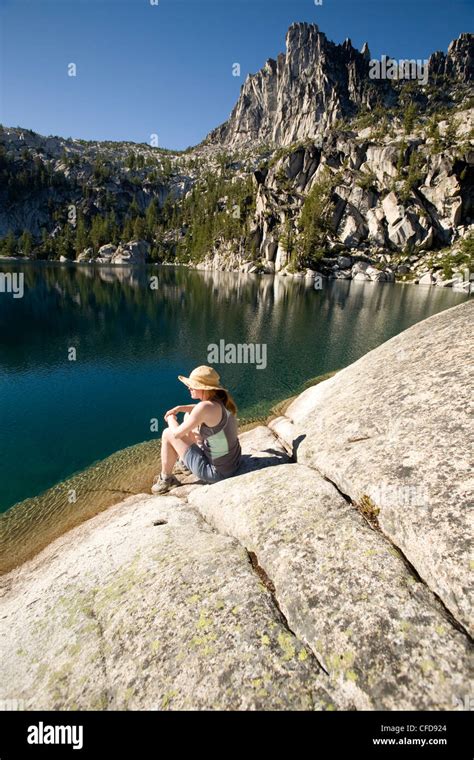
298, 28
459, 60
279, 103
365, 51
314, 83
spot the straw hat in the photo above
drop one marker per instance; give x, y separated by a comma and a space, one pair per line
202, 378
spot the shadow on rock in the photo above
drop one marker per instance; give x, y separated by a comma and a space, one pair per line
252, 463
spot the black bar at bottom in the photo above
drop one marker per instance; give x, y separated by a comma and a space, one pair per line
98, 734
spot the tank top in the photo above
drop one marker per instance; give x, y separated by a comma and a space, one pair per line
221, 443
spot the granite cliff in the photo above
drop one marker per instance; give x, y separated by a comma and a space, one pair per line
306, 90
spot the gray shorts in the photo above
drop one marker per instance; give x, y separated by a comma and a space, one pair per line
196, 460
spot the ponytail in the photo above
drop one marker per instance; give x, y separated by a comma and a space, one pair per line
226, 399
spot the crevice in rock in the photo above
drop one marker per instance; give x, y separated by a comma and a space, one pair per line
101, 650
262, 575
270, 586
365, 506
371, 519
366, 509
412, 569
369, 512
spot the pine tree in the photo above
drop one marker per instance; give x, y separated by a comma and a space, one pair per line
82, 239
66, 243
168, 209
10, 245
409, 117
133, 209
127, 231
98, 232
139, 228
26, 243
112, 228
151, 217
45, 243
315, 220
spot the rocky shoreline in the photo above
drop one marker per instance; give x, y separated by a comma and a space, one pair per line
338, 583
357, 267
30, 526
360, 268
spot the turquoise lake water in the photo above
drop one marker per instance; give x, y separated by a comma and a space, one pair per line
57, 416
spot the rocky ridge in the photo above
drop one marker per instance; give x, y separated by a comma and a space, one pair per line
315, 83
385, 169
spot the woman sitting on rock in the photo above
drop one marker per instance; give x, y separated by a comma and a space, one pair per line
206, 442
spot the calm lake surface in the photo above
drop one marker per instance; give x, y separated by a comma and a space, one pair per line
58, 417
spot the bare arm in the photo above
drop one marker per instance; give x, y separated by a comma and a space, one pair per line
196, 416
183, 408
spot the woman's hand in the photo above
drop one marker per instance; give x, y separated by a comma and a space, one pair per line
186, 408
172, 421
174, 410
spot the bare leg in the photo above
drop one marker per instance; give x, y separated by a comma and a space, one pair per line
172, 448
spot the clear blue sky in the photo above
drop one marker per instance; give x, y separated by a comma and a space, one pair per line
167, 69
